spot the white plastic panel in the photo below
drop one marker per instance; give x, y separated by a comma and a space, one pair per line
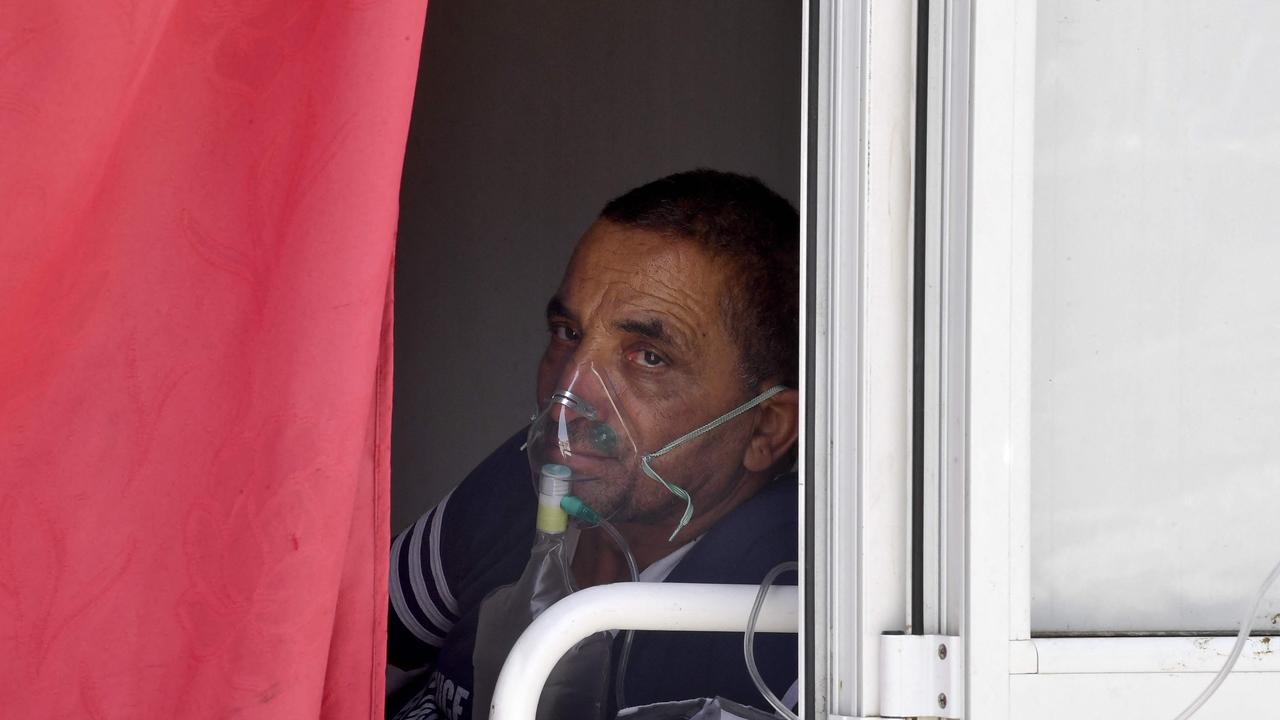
1160, 696
857, 348
1155, 433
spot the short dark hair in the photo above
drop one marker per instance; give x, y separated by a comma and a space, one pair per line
738, 219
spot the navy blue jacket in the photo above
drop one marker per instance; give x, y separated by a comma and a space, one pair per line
479, 538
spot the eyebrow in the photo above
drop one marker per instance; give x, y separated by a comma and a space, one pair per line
654, 329
556, 306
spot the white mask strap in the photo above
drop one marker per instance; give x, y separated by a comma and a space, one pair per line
697, 432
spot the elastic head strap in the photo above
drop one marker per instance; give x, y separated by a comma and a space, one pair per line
674, 490
697, 432
718, 421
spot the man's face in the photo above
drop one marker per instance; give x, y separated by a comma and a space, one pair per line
644, 311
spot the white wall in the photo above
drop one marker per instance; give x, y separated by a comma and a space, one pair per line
529, 116
1156, 341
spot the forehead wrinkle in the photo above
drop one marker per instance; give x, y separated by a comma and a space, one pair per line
669, 282
621, 307
677, 294
674, 286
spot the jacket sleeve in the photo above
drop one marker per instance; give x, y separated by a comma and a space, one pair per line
444, 564
423, 605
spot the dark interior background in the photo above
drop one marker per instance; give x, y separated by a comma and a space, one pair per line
529, 115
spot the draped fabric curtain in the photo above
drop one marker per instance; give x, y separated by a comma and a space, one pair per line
198, 202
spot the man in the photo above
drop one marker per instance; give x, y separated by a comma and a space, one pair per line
683, 299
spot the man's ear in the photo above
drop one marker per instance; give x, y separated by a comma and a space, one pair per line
777, 422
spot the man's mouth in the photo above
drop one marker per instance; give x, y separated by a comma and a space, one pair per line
580, 444
589, 465
555, 450
578, 451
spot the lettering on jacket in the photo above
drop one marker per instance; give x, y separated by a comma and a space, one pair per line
442, 699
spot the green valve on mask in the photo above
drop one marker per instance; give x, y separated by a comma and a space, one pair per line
579, 510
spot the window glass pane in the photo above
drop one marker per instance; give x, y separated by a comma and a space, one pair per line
1156, 315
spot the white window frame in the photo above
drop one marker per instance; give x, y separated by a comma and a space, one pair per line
1009, 673
856, 349
856, 469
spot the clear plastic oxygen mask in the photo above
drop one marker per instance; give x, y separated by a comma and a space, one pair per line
583, 427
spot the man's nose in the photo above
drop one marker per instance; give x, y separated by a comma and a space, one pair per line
581, 388
569, 406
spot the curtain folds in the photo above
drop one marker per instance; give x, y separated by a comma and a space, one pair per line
198, 204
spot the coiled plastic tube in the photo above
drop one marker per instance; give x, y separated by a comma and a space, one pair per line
580, 510
748, 640
1246, 626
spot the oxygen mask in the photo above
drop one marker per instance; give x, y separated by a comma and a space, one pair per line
581, 427
581, 432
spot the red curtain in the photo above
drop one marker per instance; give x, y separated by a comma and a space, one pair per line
198, 202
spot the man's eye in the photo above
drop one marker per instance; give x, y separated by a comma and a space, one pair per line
647, 358
564, 333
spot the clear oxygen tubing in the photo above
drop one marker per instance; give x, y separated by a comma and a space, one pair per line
697, 432
1246, 626
749, 637
580, 510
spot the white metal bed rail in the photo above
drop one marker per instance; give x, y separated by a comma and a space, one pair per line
686, 607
